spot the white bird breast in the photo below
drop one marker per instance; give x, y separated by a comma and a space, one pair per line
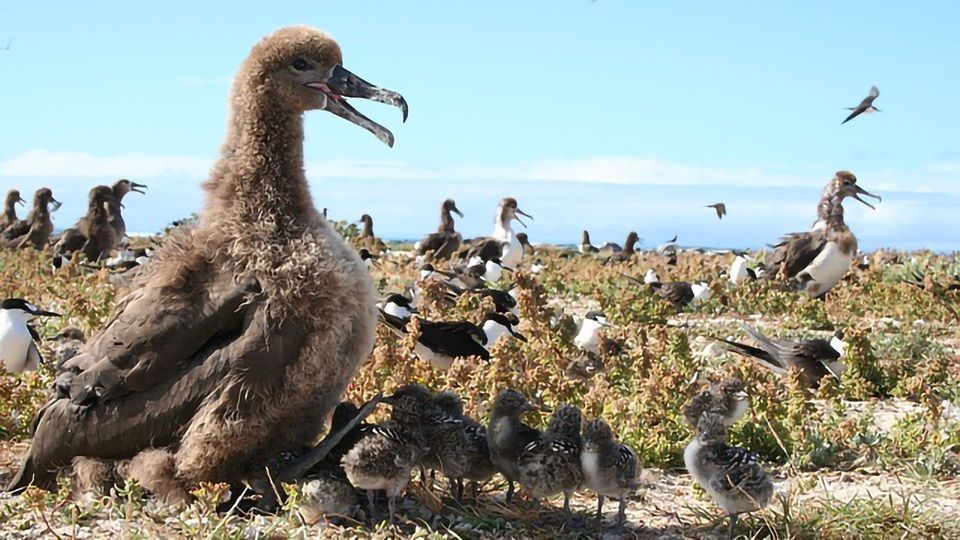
15, 340
829, 267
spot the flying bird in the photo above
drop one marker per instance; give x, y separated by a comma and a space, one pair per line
865, 106
720, 207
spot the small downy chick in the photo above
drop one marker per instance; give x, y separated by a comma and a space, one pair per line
325, 490
731, 476
609, 468
443, 434
477, 451
507, 435
726, 398
387, 454
551, 464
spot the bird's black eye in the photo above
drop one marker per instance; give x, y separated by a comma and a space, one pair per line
301, 65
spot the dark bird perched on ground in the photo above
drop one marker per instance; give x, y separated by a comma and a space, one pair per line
503, 243
444, 243
386, 455
610, 247
18, 340
367, 239
479, 468
476, 274
120, 189
926, 283
731, 476
503, 301
939, 291
36, 229
10, 209
679, 293
865, 106
507, 435
720, 208
816, 260
585, 366
396, 310
585, 245
246, 329
814, 358
627, 252
551, 464
669, 251
726, 398
440, 343
610, 469
525, 244
95, 234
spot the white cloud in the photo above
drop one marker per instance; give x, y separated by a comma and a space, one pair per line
43, 163
939, 177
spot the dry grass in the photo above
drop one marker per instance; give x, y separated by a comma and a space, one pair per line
895, 415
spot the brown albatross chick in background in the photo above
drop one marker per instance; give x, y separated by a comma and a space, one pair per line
94, 234
9, 216
35, 230
242, 333
120, 189
367, 239
444, 243
628, 249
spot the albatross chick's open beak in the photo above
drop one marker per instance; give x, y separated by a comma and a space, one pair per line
456, 211
138, 187
518, 213
860, 191
22, 202
342, 84
56, 204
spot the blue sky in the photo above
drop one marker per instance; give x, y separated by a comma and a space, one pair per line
611, 115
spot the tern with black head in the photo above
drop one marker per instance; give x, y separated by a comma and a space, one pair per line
18, 340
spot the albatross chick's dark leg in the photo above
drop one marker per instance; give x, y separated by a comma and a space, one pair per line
599, 509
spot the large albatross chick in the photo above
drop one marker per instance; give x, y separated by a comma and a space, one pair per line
244, 331
819, 258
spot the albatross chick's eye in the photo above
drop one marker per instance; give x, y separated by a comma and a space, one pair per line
301, 65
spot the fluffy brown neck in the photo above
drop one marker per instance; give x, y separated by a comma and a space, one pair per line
446, 221
10, 212
830, 209
260, 176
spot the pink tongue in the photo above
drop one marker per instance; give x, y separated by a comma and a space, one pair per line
326, 90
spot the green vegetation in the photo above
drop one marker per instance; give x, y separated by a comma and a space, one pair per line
895, 415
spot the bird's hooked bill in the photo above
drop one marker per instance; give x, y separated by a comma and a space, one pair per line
341, 84
519, 213
860, 191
